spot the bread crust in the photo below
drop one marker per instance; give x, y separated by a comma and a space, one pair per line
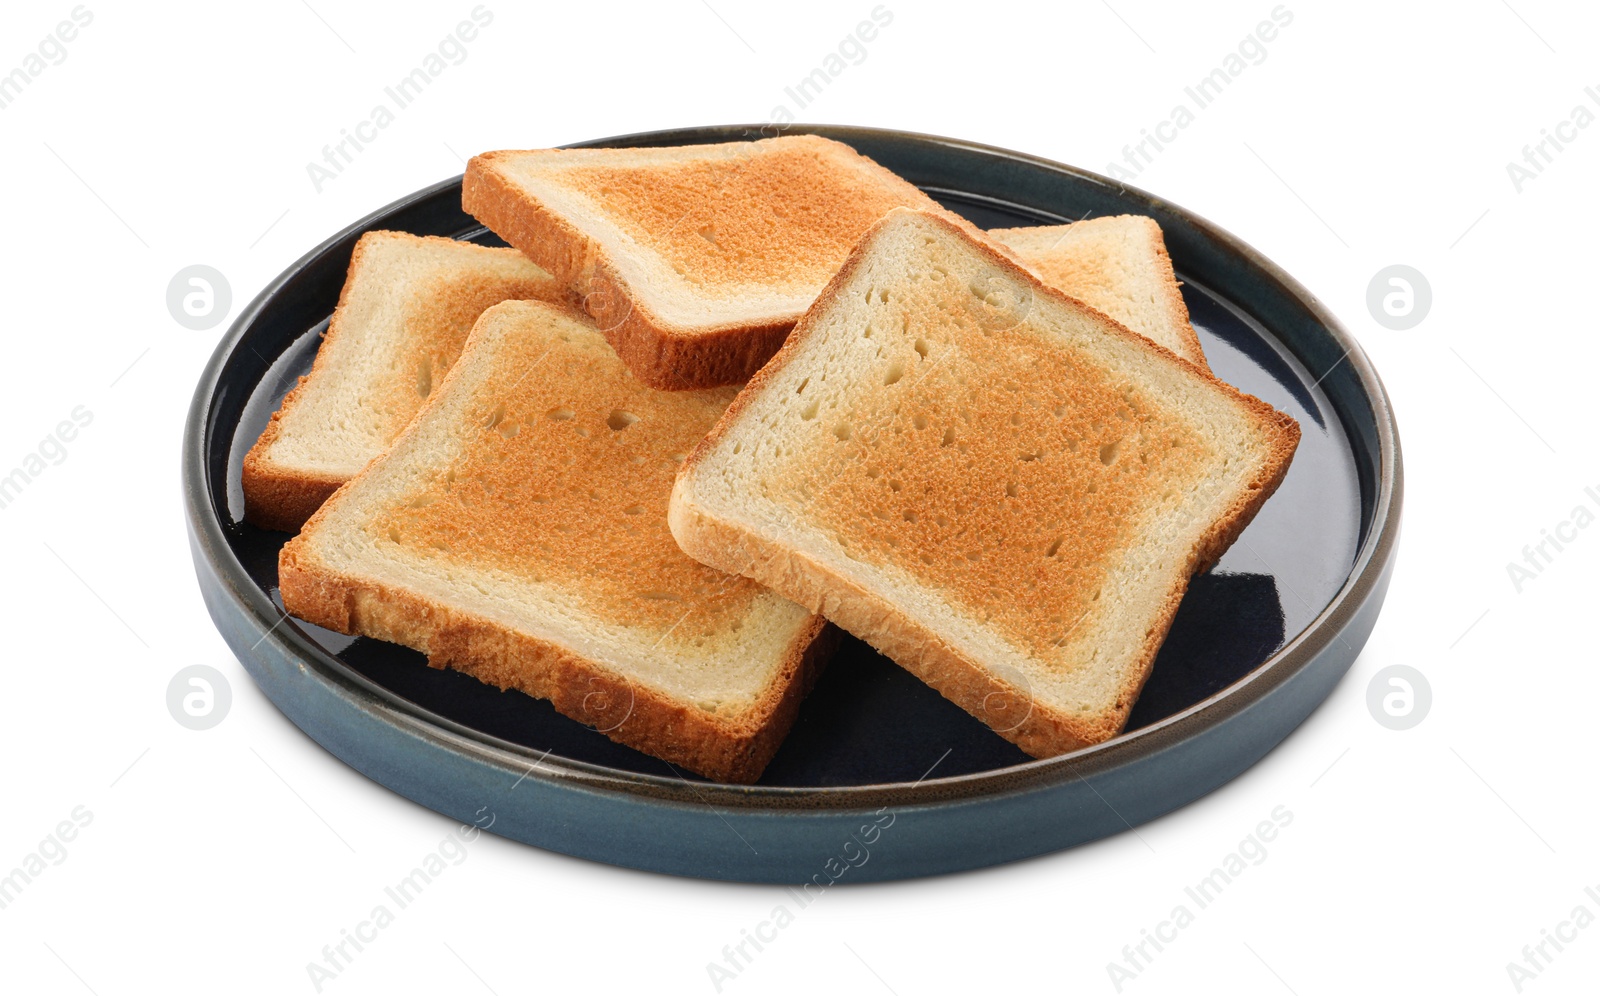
277, 497
911, 644
629, 713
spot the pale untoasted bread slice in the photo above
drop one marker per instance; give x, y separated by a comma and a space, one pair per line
694, 260
1117, 265
407, 306
517, 530
996, 486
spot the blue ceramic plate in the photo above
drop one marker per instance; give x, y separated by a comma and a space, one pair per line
881, 778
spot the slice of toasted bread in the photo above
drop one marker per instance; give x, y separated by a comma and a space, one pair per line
1118, 265
407, 306
694, 260
516, 530
998, 487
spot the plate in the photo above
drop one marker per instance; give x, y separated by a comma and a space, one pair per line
881, 777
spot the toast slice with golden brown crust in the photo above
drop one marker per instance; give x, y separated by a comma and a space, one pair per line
993, 484
406, 308
516, 530
1117, 265
695, 261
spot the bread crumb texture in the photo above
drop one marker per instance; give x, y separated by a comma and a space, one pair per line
535, 495
997, 486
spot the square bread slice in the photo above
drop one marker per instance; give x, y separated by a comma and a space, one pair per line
517, 531
996, 486
407, 306
1117, 265
694, 260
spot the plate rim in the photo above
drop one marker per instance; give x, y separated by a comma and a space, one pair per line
1367, 567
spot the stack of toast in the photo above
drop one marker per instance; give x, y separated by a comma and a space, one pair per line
718, 403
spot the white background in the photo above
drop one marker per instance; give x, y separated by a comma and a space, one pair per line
1372, 134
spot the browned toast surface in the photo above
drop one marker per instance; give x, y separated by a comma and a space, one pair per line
995, 485
517, 531
694, 260
404, 313
1117, 265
